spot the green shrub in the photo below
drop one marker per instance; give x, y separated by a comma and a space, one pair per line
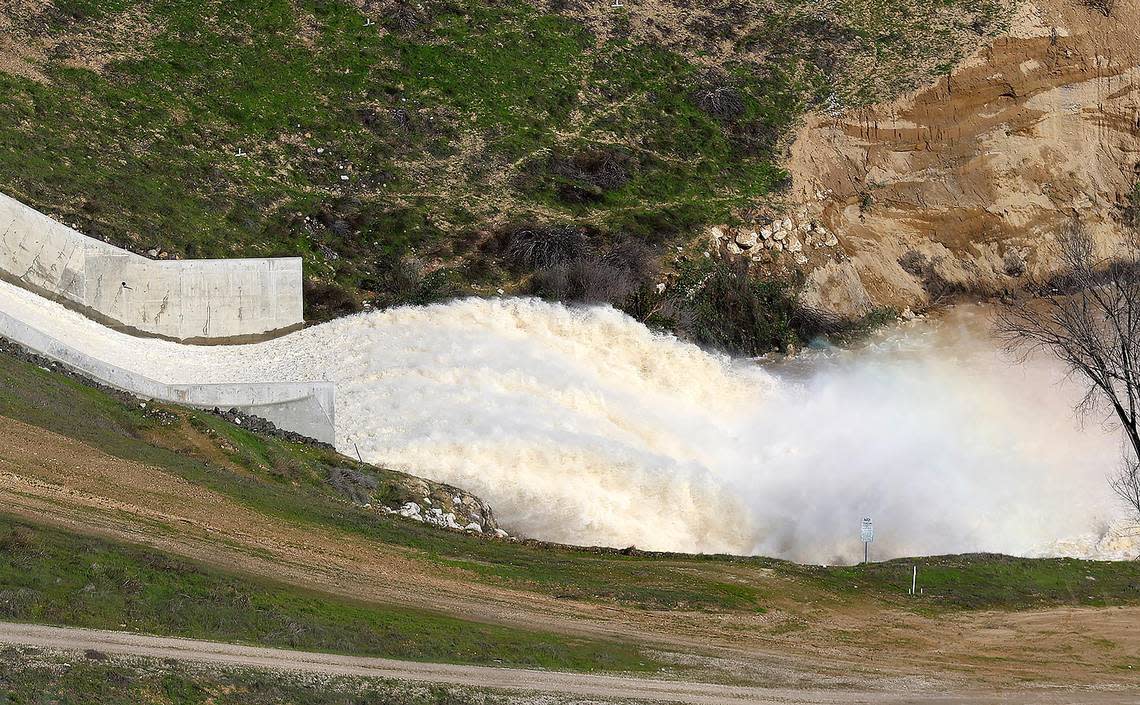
717, 302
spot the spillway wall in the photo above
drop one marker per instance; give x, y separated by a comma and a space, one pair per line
302, 407
185, 300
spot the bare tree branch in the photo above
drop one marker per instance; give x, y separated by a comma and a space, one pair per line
1089, 319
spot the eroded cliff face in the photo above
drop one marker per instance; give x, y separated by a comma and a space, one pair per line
963, 185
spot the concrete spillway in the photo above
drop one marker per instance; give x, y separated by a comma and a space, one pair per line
187, 300
202, 300
581, 425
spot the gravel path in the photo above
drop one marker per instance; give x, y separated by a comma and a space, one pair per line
586, 685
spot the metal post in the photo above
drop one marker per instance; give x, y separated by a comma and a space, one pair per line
867, 535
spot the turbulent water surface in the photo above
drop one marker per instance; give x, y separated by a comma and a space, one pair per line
582, 426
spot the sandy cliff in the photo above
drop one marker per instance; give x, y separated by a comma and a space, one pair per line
961, 185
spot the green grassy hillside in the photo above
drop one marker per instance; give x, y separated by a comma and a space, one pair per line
53, 577
401, 146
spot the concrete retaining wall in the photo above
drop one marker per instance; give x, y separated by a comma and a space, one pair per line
185, 300
305, 408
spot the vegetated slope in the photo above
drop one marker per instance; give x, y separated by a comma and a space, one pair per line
397, 145
56, 577
216, 519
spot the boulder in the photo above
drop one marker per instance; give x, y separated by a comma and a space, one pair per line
746, 240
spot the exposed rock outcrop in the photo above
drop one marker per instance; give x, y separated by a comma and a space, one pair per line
961, 186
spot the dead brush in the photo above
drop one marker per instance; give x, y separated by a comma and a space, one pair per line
1104, 7
589, 280
613, 276
353, 485
720, 99
540, 248
406, 17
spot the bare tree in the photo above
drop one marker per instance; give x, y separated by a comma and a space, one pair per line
1089, 318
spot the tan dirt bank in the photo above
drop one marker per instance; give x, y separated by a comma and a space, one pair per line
961, 185
804, 640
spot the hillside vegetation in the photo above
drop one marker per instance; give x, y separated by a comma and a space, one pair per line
410, 151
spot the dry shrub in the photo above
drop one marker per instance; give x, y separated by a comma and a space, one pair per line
406, 280
540, 248
354, 485
1104, 7
325, 299
586, 280
587, 175
1013, 264
611, 276
720, 99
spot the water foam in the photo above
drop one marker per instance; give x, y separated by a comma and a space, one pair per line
581, 425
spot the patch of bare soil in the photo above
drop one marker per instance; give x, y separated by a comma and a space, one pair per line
804, 640
33, 32
960, 186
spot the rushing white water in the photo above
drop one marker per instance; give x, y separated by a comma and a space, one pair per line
582, 426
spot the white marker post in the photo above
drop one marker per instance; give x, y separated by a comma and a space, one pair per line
867, 534
914, 580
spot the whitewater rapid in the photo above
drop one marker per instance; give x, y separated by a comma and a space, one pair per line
582, 426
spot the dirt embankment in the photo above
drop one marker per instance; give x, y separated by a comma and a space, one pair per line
804, 639
961, 186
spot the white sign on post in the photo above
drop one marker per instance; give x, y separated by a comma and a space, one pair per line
867, 531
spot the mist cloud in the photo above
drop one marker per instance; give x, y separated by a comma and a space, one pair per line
582, 426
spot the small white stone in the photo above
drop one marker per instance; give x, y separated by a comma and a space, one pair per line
794, 244
801, 258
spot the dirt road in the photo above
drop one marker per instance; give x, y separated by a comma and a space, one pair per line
586, 685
